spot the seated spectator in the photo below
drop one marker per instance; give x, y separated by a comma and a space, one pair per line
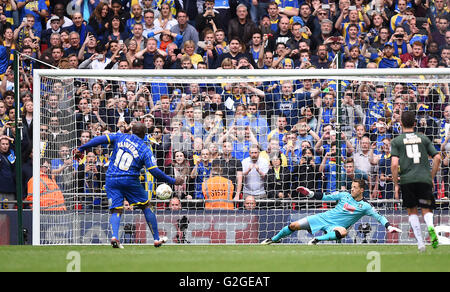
98, 20
250, 203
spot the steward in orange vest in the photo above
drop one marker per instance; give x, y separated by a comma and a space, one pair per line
51, 197
217, 190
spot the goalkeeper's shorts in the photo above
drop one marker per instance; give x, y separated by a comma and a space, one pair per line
125, 188
318, 223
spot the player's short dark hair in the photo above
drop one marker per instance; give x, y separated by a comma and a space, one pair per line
408, 119
361, 183
139, 130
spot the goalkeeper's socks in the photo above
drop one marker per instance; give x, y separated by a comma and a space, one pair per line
286, 231
151, 222
114, 220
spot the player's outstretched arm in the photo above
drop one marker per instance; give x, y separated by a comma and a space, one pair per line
317, 195
95, 142
383, 221
160, 175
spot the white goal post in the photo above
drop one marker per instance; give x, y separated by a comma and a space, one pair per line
239, 226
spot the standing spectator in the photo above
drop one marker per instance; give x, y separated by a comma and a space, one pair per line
278, 179
209, 18
242, 26
184, 28
59, 9
232, 167
307, 172
200, 173
7, 165
180, 168
254, 173
218, 190
79, 26
97, 21
137, 18
165, 19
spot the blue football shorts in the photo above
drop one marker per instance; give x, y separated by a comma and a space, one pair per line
125, 188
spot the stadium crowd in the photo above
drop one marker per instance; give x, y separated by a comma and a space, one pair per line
267, 138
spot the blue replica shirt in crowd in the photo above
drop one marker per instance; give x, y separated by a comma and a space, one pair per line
203, 172
346, 213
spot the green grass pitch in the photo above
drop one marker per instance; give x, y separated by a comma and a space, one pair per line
226, 258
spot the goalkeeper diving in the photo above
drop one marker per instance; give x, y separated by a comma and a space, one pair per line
335, 222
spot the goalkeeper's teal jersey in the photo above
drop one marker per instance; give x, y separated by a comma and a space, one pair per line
346, 213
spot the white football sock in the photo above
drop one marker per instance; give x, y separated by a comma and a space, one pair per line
428, 217
415, 225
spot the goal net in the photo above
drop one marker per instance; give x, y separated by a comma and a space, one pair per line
242, 140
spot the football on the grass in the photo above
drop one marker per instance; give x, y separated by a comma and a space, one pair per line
164, 192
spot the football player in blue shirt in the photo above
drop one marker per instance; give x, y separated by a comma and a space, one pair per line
335, 222
130, 154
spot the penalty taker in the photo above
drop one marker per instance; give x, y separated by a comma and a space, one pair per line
350, 208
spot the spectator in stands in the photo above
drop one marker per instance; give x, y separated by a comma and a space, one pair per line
98, 19
59, 9
200, 173
242, 26
7, 166
231, 167
415, 59
352, 173
180, 167
209, 18
306, 173
185, 29
115, 30
217, 190
278, 180
38, 11
51, 197
137, 34
165, 19
175, 204
250, 203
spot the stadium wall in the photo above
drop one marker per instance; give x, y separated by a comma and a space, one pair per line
203, 227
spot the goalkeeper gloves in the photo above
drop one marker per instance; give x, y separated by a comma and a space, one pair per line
305, 192
392, 229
